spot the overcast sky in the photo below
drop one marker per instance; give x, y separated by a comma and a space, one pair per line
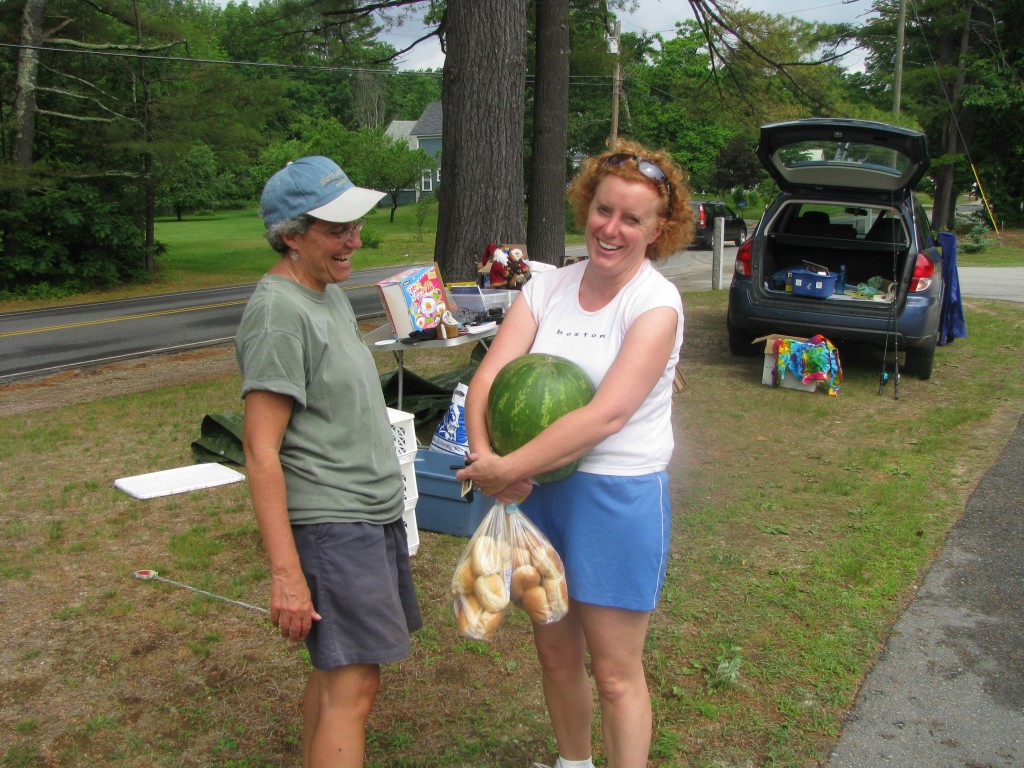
655, 16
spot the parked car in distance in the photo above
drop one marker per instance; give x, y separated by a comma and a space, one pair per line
704, 214
846, 205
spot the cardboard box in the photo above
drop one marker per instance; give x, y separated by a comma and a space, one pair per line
413, 299
768, 372
441, 506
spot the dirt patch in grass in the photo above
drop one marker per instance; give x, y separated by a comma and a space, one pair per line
787, 553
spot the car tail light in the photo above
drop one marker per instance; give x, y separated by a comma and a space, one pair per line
702, 217
743, 260
924, 271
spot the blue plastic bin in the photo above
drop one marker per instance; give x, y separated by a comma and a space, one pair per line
441, 506
807, 283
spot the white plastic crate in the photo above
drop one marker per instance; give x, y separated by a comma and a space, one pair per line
409, 490
404, 433
412, 532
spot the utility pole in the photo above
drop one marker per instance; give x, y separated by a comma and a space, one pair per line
897, 84
616, 79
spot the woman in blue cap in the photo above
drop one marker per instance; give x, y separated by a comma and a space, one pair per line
324, 477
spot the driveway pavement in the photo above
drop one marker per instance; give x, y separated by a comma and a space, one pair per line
1006, 283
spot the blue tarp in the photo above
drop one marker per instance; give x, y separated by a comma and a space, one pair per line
951, 312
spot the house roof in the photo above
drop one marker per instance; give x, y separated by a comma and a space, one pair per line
401, 129
430, 121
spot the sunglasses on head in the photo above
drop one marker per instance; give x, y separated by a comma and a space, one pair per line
649, 169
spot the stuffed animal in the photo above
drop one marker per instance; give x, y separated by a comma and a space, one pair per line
519, 269
499, 273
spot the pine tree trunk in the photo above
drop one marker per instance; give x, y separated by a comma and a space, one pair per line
25, 93
545, 229
482, 89
944, 207
24, 117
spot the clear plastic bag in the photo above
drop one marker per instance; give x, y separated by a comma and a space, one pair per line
537, 584
480, 586
507, 560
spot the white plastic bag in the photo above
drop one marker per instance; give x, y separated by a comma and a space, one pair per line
450, 435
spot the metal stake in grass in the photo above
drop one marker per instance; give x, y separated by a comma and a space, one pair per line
150, 575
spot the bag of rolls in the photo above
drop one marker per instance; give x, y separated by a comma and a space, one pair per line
481, 585
507, 559
537, 583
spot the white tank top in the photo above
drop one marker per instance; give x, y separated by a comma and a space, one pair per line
592, 340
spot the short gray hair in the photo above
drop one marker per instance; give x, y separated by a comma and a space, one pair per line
292, 227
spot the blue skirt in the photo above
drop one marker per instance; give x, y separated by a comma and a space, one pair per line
612, 533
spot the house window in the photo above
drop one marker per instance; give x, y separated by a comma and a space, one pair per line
427, 182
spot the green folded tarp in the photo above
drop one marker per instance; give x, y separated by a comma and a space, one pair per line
220, 439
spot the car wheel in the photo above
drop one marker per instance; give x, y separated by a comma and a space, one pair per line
742, 343
741, 237
920, 361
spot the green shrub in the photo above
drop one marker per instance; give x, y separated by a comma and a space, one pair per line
67, 240
370, 236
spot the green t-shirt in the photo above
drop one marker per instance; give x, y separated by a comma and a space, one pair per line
338, 453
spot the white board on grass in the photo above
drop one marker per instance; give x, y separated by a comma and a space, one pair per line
178, 480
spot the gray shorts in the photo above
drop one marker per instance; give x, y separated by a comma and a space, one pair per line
361, 583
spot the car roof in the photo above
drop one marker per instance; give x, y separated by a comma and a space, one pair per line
839, 153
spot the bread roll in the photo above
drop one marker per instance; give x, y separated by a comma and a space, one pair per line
486, 556
467, 609
547, 561
520, 556
535, 603
489, 624
465, 580
557, 594
491, 592
523, 578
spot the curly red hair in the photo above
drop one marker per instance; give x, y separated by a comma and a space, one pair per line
677, 231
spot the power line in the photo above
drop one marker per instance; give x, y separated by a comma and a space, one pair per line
190, 60
579, 79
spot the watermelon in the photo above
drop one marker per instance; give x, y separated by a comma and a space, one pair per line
529, 394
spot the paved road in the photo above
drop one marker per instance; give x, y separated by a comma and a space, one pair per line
46, 341
992, 282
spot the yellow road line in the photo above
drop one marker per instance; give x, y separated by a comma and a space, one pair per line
120, 319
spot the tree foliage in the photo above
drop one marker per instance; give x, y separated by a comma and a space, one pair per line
123, 92
962, 84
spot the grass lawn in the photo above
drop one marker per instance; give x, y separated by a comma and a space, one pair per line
228, 248
801, 524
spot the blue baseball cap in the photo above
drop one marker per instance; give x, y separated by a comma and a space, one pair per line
318, 187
